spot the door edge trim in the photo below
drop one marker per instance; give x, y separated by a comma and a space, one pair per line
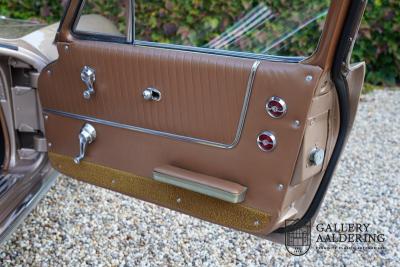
243, 113
349, 31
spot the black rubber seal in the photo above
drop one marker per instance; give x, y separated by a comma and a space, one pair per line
2, 148
343, 49
63, 16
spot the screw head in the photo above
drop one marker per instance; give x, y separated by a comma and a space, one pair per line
280, 187
46, 117
49, 72
66, 47
296, 124
49, 144
256, 223
309, 78
178, 200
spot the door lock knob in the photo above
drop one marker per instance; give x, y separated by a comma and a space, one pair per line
88, 76
86, 136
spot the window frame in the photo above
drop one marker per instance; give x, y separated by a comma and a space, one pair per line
95, 36
130, 39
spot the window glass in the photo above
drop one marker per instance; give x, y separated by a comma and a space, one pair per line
105, 17
290, 28
15, 28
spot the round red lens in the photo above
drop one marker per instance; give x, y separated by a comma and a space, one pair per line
276, 107
266, 141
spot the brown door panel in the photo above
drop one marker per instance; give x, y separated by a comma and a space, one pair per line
136, 152
202, 96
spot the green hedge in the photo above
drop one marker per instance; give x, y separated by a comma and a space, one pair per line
197, 22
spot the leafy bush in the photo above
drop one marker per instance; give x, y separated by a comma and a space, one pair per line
378, 42
37, 10
241, 25
197, 22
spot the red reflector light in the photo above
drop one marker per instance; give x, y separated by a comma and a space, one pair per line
266, 141
276, 107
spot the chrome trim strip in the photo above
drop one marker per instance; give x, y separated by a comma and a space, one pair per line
32, 198
246, 101
130, 30
9, 46
221, 52
177, 137
7, 181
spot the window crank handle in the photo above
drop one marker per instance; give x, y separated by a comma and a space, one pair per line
86, 136
88, 77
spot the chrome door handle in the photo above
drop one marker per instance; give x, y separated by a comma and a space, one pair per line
151, 94
86, 136
88, 76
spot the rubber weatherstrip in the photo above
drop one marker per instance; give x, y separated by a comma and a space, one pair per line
63, 16
343, 49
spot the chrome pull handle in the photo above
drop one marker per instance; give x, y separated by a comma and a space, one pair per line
151, 94
86, 137
88, 76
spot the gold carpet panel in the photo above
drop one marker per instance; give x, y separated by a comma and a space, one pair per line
236, 216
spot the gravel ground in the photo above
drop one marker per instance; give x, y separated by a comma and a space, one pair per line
78, 224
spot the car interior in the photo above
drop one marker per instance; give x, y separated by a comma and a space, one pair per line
23, 150
232, 138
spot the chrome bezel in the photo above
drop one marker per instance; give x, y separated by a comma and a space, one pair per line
148, 94
281, 102
270, 135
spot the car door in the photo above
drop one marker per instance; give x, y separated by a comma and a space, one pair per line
238, 138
